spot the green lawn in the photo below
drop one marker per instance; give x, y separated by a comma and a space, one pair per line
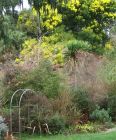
100, 136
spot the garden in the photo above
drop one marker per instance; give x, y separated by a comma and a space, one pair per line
58, 70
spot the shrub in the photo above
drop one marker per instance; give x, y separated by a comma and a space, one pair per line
96, 40
112, 103
100, 115
108, 71
86, 128
53, 45
51, 48
82, 100
42, 78
27, 20
74, 46
57, 124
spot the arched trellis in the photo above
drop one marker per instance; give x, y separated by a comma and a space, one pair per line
21, 93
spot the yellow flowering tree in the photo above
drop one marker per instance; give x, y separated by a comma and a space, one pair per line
51, 48
71, 5
30, 52
94, 15
51, 18
27, 20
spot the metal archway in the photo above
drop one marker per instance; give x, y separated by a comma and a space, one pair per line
21, 93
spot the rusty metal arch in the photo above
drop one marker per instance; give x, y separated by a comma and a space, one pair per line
22, 92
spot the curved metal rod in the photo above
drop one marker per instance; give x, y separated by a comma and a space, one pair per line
24, 92
11, 106
14, 95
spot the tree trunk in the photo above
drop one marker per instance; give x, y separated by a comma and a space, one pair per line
39, 32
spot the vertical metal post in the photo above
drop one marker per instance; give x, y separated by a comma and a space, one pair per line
11, 101
23, 91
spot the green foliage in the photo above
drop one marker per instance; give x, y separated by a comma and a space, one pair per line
84, 25
94, 127
71, 5
57, 124
74, 46
100, 115
109, 72
86, 128
28, 20
94, 39
43, 79
113, 35
17, 38
42, 3
8, 7
92, 15
52, 47
112, 72
50, 19
112, 103
29, 51
89, 36
82, 100
10, 37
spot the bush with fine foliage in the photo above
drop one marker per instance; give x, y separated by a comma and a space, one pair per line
82, 100
57, 124
100, 115
73, 46
42, 78
112, 103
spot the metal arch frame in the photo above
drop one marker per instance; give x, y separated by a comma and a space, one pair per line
11, 101
22, 93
